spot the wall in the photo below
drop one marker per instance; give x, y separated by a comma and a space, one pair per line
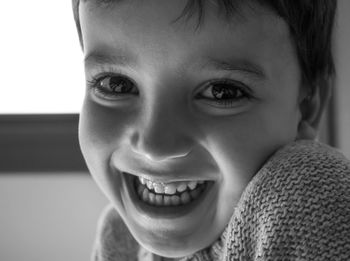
342, 94
48, 216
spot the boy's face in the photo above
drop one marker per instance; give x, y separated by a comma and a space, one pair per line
168, 103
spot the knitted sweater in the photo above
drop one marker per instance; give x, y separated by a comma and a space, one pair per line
297, 207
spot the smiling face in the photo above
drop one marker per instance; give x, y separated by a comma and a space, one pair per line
166, 105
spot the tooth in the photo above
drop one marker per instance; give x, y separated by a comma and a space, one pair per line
140, 189
158, 188
167, 200
151, 198
170, 189
145, 195
149, 184
192, 185
159, 200
142, 180
182, 187
185, 198
175, 200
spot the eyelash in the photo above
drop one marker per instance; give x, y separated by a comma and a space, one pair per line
97, 80
229, 86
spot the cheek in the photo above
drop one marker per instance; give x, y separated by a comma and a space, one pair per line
92, 141
242, 144
93, 131
101, 131
101, 128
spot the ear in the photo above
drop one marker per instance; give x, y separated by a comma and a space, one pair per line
312, 103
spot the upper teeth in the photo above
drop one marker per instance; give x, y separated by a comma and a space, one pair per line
169, 188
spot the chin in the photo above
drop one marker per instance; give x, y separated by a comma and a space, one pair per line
171, 244
171, 251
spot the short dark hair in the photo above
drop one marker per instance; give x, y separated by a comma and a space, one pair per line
310, 23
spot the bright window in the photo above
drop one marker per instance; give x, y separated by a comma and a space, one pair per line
41, 61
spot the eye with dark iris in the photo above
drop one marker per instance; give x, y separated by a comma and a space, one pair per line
116, 84
113, 86
223, 91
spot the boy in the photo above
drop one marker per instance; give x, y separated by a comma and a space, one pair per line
182, 119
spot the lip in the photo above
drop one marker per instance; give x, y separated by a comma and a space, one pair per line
168, 212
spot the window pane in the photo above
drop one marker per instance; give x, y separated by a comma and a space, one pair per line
41, 61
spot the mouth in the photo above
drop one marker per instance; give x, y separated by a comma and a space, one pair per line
168, 194
167, 200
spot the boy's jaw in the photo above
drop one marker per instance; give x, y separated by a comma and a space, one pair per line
165, 230
180, 229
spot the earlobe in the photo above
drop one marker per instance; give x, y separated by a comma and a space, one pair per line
312, 105
310, 108
306, 131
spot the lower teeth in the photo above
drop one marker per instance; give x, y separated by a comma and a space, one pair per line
167, 200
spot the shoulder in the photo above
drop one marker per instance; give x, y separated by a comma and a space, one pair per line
305, 169
297, 205
312, 156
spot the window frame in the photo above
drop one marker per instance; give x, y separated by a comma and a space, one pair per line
40, 143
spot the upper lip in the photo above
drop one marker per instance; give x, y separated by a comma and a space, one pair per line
195, 167
190, 170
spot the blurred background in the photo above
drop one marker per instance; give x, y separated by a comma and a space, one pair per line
49, 204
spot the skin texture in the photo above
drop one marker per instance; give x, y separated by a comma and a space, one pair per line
163, 129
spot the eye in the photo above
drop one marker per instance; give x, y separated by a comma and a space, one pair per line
225, 93
116, 84
113, 86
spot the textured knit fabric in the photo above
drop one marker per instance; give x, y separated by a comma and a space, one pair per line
297, 207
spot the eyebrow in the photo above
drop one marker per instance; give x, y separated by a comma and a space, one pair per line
242, 65
102, 58
127, 60
101, 3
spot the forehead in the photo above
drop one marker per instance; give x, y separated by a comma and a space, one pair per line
172, 10
147, 28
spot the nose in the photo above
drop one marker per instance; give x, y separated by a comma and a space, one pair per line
162, 135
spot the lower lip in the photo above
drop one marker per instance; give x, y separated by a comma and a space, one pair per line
168, 212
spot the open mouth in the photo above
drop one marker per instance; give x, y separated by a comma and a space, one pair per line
169, 200
168, 194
